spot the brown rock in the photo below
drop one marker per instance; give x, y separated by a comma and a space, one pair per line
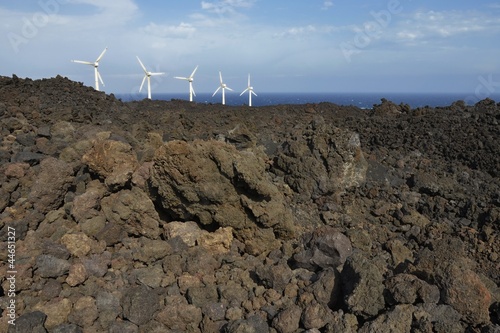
114, 161
214, 184
51, 184
134, 211
78, 245
77, 274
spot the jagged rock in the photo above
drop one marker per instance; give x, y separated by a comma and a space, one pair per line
315, 315
51, 184
77, 274
57, 311
409, 289
322, 160
84, 312
50, 266
288, 320
132, 210
180, 316
140, 304
252, 324
324, 247
396, 320
32, 322
362, 286
114, 161
78, 245
460, 286
216, 185
85, 206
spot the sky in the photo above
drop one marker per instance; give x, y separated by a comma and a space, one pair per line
286, 46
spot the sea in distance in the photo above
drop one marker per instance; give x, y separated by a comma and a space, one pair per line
361, 100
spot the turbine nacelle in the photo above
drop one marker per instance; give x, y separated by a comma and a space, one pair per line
190, 79
222, 87
95, 64
147, 76
250, 92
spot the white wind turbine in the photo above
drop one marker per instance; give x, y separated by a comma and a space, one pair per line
250, 92
190, 78
148, 77
95, 64
222, 86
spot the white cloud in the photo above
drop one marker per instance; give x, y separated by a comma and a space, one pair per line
327, 5
183, 30
226, 6
305, 31
429, 25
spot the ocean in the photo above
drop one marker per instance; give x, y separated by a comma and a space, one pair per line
361, 100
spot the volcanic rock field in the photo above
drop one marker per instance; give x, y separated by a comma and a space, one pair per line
171, 216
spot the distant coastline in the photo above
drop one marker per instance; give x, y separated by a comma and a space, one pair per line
361, 100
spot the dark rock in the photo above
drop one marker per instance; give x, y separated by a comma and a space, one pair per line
276, 276
51, 267
362, 286
327, 288
27, 157
201, 296
51, 184
134, 211
214, 311
316, 316
398, 319
252, 324
288, 320
67, 328
177, 315
123, 327
140, 304
325, 247
108, 306
322, 160
32, 322
408, 289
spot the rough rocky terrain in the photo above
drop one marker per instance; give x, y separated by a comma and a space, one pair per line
156, 216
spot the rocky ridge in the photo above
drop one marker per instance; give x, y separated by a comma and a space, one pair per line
156, 216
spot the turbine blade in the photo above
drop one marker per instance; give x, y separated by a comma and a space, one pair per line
220, 75
181, 78
249, 80
83, 62
244, 91
216, 92
252, 92
100, 56
142, 65
142, 84
192, 74
157, 73
229, 88
100, 78
191, 89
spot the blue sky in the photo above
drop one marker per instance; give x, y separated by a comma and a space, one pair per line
287, 46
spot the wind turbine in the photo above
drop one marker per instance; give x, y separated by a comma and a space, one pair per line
190, 78
147, 76
96, 72
250, 92
222, 86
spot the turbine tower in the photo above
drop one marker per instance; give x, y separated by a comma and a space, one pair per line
96, 72
148, 77
250, 92
222, 86
190, 79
